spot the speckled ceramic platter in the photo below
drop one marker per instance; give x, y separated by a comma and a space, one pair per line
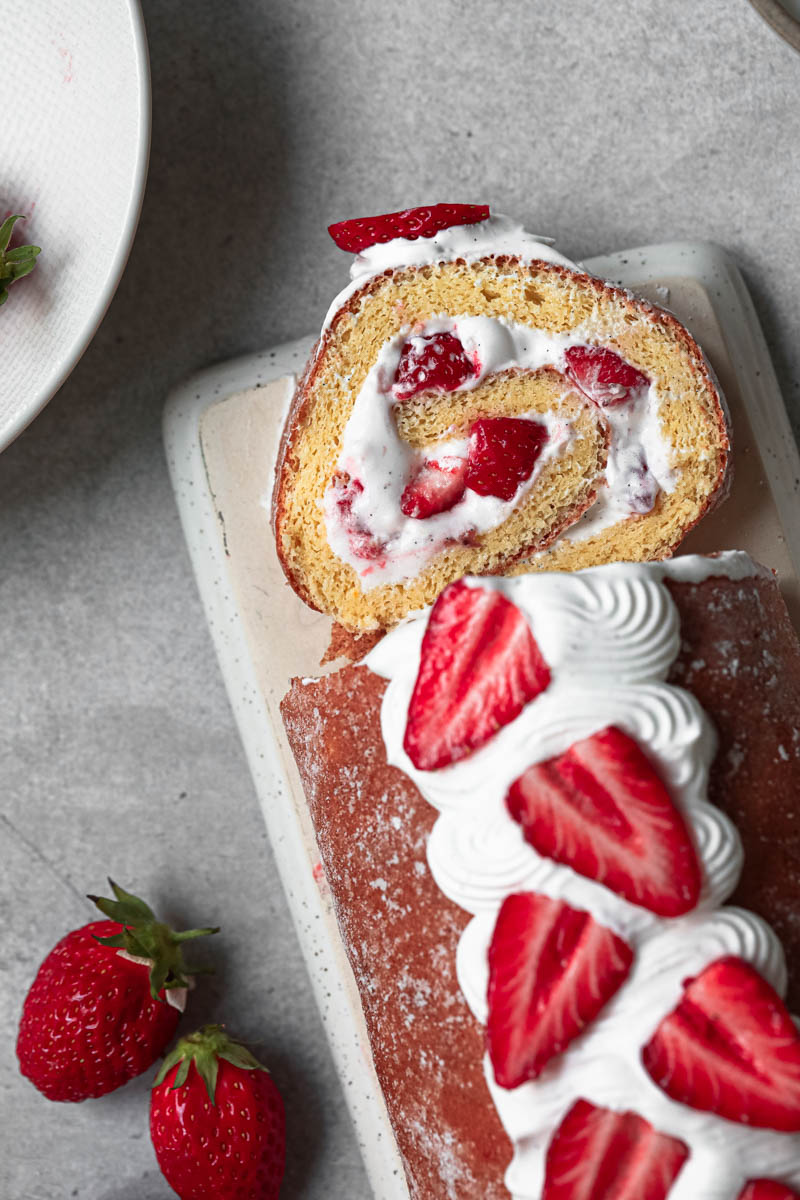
222, 429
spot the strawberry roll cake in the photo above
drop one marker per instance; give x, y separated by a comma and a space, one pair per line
476, 401
557, 817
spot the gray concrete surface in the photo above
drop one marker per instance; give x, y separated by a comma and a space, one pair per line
606, 125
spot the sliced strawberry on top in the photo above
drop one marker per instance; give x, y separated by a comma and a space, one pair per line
436, 363
599, 1154
767, 1189
502, 454
602, 375
731, 1048
552, 968
480, 665
356, 235
601, 809
436, 487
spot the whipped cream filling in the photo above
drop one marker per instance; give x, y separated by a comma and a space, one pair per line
639, 460
610, 635
374, 453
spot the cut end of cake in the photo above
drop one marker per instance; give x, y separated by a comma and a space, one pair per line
396, 476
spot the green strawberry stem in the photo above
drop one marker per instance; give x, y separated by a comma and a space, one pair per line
145, 937
16, 263
205, 1048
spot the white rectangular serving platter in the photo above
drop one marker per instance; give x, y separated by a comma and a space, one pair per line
221, 431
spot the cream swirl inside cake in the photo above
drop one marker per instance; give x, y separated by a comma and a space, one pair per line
608, 636
394, 542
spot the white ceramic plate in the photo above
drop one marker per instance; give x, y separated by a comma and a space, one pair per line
74, 143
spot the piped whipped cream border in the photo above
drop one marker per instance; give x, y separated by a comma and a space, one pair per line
610, 635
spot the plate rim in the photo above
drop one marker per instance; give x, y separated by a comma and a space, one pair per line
776, 16
66, 365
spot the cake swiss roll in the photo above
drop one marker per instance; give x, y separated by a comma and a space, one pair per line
478, 404
556, 813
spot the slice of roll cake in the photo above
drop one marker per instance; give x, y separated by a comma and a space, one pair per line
475, 402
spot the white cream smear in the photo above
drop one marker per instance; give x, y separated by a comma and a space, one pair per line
609, 635
374, 453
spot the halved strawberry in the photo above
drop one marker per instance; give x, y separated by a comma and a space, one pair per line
603, 375
411, 223
436, 363
552, 968
502, 454
480, 666
767, 1189
601, 809
437, 486
731, 1048
599, 1154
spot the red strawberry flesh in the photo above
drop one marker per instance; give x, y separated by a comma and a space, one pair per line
601, 809
363, 543
502, 454
641, 487
767, 1189
552, 968
436, 363
603, 375
731, 1048
436, 488
480, 665
599, 1154
357, 234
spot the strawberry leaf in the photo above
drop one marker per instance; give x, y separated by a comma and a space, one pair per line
16, 263
143, 936
205, 1048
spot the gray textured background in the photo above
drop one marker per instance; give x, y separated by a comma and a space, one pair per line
605, 125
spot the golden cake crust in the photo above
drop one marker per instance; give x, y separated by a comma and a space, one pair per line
739, 657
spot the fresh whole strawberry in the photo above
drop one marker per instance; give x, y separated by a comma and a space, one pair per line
599, 1154
217, 1121
552, 968
603, 375
502, 454
436, 487
93, 1018
767, 1189
480, 665
436, 363
356, 235
731, 1048
601, 809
